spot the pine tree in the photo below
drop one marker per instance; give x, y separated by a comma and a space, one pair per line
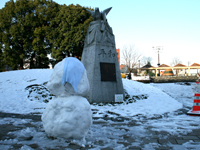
68, 31
25, 25
16, 27
2, 64
6, 15
31, 29
45, 12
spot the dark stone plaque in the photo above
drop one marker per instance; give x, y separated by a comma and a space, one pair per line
108, 72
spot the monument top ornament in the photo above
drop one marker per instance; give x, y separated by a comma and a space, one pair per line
99, 30
99, 15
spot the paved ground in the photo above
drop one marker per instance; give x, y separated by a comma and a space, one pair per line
155, 137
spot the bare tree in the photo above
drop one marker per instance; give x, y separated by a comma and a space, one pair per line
175, 61
146, 60
130, 57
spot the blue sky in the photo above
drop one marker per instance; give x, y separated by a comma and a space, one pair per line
173, 24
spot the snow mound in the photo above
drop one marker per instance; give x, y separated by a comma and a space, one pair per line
69, 117
14, 97
157, 101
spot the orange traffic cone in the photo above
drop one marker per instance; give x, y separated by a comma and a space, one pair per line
196, 106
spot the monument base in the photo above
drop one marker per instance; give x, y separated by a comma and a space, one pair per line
101, 63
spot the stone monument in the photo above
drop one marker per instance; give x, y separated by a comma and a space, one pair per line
100, 60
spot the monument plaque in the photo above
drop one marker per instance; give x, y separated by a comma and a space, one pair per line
100, 60
108, 72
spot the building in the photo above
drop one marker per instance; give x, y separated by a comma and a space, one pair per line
178, 70
118, 55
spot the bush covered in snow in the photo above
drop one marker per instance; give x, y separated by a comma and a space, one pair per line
39, 93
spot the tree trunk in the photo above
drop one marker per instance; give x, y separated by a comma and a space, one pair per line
21, 64
32, 61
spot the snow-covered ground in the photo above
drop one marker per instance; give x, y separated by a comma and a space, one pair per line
156, 107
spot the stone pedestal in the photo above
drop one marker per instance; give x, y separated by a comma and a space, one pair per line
101, 63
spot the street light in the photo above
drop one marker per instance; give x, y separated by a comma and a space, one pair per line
158, 48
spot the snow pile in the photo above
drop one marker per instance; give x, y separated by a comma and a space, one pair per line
114, 124
68, 115
13, 96
196, 88
180, 92
157, 101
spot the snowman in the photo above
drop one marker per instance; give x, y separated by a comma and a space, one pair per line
69, 114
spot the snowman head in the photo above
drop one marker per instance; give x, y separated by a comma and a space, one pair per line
69, 77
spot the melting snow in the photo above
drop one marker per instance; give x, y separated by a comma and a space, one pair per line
112, 124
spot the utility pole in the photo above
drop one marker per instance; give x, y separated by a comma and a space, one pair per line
158, 48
